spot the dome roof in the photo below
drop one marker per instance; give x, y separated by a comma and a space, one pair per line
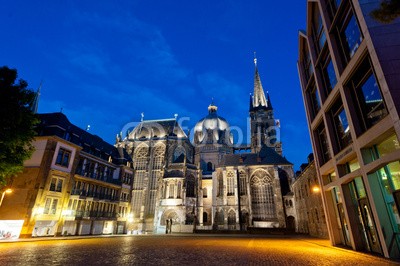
212, 122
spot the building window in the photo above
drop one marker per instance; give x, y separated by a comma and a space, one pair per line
63, 157
171, 193
178, 190
56, 184
341, 126
349, 35
322, 143
209, 167
50, 206
230, 184
329, 75
158, 156
318, 31
333, 6
243, 184
140, 158
205, 218
262, 196
367, 98
314, 99
308, 68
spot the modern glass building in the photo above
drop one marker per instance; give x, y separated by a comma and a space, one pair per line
349, 69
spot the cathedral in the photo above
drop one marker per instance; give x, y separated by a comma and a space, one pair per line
210, 183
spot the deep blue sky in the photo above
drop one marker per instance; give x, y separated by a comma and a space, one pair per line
105, 62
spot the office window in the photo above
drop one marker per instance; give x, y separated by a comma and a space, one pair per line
341, 126
366, 96
333, 6
329, 75
318, 30
315, 101
349, 35
322, 143
308, 68
63, 157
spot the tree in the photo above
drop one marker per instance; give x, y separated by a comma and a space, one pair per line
388, 11
17, 124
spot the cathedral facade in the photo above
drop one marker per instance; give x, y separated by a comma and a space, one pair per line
209, 184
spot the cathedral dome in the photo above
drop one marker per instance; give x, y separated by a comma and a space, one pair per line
213, 128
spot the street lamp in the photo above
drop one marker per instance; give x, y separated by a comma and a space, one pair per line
8, 191
315, 189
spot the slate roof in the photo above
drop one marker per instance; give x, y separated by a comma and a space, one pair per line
157, 128
57, 124
267, 155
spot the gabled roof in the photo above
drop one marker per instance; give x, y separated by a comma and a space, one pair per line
267, 156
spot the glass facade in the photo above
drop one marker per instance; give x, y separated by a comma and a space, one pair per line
352, 36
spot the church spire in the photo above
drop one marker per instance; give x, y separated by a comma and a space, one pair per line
35, 103
259, 99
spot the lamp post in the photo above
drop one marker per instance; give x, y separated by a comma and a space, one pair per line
7, 191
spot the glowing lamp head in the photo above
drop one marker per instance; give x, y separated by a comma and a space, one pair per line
315, 189
8, 190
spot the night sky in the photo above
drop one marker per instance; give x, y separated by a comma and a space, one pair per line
105, 62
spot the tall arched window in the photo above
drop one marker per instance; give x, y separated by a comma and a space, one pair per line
178, 190
158, 156
243, 183
262, 196
140, 158
171, 193
230, 180
190, 186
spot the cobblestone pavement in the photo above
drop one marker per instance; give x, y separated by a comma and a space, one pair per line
183, 250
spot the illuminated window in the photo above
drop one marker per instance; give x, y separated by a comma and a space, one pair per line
56, 184
140, 158
158, 156
50, 206
262, 196
63, 157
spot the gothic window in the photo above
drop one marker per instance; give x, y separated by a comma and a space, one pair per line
231, 183
171, 191
220, 185
190, 186
243, 185
140, 158
178, 152
262, 196
136, 202
158, 156
231, 217
178, 190
138, 181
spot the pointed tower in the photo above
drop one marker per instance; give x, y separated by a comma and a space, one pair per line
35, 103
262, 122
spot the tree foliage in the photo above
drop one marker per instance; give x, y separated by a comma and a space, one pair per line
17, 124
388, 11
